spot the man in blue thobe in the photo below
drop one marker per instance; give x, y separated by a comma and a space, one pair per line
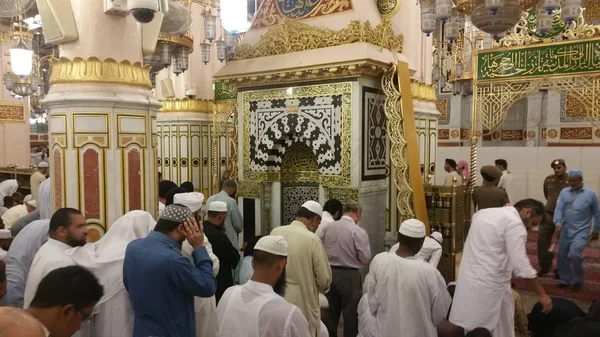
576, 207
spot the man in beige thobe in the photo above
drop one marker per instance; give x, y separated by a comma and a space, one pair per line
308, 272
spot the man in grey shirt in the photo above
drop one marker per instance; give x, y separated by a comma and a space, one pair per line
234, 224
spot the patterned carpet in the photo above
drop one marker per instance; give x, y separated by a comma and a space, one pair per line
591, 287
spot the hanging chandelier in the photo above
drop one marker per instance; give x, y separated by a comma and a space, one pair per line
493, 17
21, 76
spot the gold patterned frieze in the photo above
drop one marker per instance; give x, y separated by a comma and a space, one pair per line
321, 90
309, 74
423, 91
93, 71
592, 11
289, 36
248, 189
12, 112
178, 40
345, 195
187, 105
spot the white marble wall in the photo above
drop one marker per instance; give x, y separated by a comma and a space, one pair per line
529, 165
373, 215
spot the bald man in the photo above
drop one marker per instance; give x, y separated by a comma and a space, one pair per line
18, 323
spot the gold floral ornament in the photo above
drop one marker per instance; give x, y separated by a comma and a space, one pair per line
289, 36
93, 70
388, 8
187, 105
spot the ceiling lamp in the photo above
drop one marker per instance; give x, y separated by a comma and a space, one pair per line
571, 10
550, 5
494, 5
210, 25
234, 15
21, 55
544, 21
504, 18
428, 17
443, 9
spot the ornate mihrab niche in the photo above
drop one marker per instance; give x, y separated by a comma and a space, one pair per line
320, 116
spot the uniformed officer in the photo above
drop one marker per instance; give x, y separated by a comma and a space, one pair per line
553, 184
488, 195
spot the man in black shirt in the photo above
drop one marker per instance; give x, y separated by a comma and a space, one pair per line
228, 255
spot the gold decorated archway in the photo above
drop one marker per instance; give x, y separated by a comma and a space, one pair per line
506, 75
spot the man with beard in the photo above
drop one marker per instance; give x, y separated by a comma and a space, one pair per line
234, 224
494, 252
257, 308
229, 256
67, 229
161, 282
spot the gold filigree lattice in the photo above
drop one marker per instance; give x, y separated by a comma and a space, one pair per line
586, 89
493, 101
398, 153
289, 36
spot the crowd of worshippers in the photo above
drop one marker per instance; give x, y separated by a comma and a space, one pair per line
179, 276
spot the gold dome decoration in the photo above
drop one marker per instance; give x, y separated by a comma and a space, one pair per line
289, 36
388, 8
187, 105
94, 71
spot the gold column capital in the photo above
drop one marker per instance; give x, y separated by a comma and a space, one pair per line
95, 71
187, 105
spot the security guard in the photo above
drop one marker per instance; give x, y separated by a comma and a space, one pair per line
553, 184
488, 195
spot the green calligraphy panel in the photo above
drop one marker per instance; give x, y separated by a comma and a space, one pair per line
568, 58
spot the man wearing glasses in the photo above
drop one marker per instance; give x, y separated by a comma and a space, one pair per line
65, 300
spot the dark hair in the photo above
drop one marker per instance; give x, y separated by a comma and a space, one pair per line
188, 186
305, 213
2, 271
413, 244
333, 206
164, 187
62, 218
265, 259
479, 332
166, 226
17, 197
249, 251
172, 193
73, 285
451, 163
8, 201
537, 207
228, 183
487, 177
20, 180
501, 162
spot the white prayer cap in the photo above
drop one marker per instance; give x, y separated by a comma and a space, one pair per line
32, 203
217, 206
5, 234
177, 213
412, 228
192, 200
314, 207
43, 164
438, 237
273, 244
27, 198
323, 301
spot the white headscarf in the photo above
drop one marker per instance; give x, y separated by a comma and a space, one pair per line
45, 199
105, 257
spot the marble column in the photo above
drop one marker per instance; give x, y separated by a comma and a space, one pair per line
185, 130
102, 121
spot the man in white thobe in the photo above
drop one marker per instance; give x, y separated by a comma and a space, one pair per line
494, 252
206, 308
234, 223
257, 308
367, 323
15, 213
308, 270
19, 258
9, 187
332, 211
407, 296
37, 178
67, 229
113, 315
505, 182
431, 251
45, 199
